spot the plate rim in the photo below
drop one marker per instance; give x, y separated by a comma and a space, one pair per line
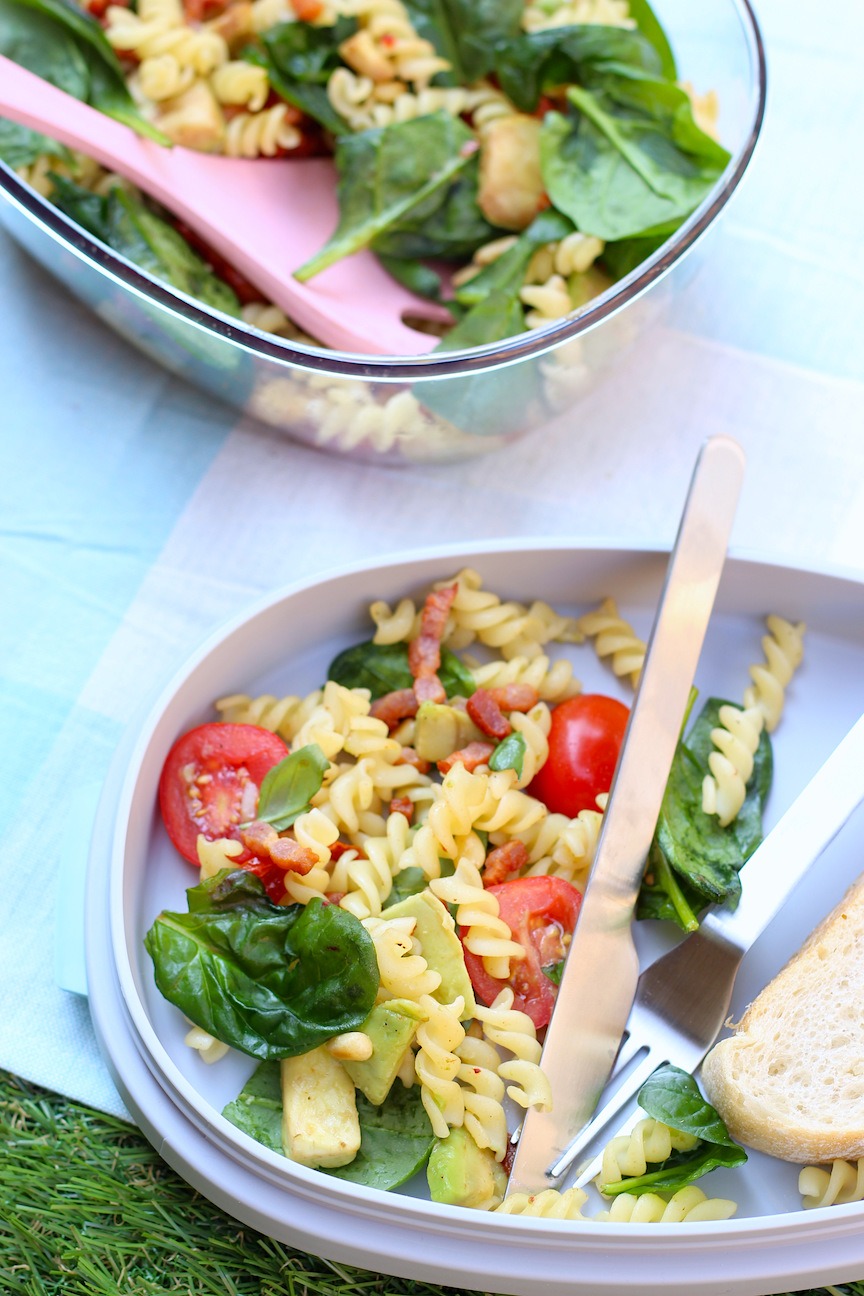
749, 1231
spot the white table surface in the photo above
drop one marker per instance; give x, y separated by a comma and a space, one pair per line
136, 515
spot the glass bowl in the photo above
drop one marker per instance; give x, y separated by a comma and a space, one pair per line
435, 407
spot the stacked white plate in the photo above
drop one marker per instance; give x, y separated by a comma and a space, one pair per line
284, 646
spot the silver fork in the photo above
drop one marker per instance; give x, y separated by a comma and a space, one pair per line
683, 997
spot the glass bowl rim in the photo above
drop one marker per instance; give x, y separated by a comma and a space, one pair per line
432, 365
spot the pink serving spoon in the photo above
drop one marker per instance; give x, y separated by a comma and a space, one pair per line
265, 216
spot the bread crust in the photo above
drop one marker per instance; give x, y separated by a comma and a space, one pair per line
790, 1080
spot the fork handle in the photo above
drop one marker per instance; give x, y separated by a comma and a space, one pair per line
811, 822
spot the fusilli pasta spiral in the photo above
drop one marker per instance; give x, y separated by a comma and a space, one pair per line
614, 638
437, 1063
689, 1204
724, 789
512, 1030
842, 1182
629, 1155
784, 649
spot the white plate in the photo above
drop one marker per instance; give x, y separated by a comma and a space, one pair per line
283, 646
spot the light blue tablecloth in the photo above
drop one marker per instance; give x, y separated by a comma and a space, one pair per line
136, 515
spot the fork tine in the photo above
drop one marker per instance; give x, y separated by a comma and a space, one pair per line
610, 1111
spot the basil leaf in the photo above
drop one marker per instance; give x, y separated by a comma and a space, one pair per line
704, 858
554, 971
288, 788
672, 1096
66, 46
395, 1140
412, 880
257, 1109
407, 882
270, 980
509, 754
125, 221
383, 668
393, 181
632, 159
300, 59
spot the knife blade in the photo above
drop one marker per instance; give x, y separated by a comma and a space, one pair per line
599, 978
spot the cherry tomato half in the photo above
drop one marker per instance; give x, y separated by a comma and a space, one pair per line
584, 742
540, 912
210, 781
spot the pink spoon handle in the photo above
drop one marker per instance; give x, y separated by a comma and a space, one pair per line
265, 216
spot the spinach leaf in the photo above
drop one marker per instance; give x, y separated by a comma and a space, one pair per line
672, 1096
465, 32
257, 1109
534, 62
398, 183
630, 160
271, 980
288, 788
624, 255
418, 278
493, 311
693, 861
448, 231
383, 668
66, 46
395, 1140
649, 25
299, 59
20, 146
493, 306
126, 222
509, 754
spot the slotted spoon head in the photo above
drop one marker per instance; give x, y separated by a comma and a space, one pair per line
266, 217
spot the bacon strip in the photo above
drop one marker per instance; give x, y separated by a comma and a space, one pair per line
487, 715
286, 853
424, 652
515, 697
409, 757
504, 862
402, 805
476, 753
394, 707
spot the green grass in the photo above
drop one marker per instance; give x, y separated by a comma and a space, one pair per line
87, 1208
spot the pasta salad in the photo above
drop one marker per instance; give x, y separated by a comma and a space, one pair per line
536, 151
390, 869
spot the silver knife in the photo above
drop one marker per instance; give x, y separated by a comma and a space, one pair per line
599, 979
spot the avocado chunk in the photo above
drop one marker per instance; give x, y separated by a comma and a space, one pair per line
440, 729
320, 1126
460, 1173
391, 1026
441, 947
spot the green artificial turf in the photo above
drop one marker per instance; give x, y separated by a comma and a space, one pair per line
87, 1208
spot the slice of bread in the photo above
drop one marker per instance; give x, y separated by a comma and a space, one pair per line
790, 1081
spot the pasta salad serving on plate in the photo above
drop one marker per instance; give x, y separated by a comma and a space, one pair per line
508, 162
390, 869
